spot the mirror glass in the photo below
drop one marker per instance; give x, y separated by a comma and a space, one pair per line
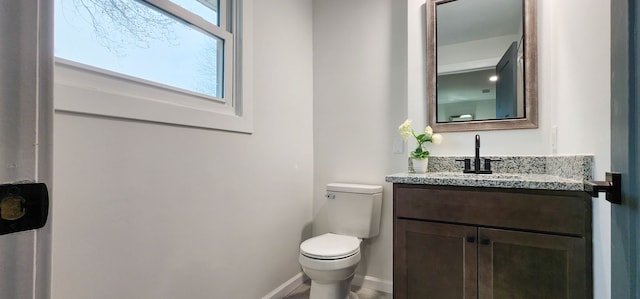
481, 58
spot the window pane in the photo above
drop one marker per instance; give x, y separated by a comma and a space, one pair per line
207, 9
131, 38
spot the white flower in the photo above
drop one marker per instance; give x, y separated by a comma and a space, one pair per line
420, 152
436, 138
405, 129
428, 130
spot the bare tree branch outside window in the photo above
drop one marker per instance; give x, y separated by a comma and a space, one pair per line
145, 41
125, 23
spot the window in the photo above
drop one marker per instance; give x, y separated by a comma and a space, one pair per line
173, 61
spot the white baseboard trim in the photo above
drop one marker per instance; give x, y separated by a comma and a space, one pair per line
373, 283
287, 287
368, 282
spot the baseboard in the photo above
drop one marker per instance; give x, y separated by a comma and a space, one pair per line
287, 287
368, 282
373, 283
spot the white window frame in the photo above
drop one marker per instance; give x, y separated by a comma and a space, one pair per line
84, 89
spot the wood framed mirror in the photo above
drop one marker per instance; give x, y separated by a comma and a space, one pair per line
482, 65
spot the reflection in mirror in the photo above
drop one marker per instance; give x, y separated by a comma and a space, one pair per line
477, 59
480, 55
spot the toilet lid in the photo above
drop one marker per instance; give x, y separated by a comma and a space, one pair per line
330, 246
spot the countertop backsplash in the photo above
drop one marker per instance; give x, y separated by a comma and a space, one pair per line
526, 172
576, 167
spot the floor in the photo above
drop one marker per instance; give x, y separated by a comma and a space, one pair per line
302, 292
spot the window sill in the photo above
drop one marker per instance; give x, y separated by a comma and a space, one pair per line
85, 90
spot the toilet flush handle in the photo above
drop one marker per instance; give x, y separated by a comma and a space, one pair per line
330, 196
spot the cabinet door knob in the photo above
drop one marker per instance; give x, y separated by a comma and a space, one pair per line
471, 239
485, 241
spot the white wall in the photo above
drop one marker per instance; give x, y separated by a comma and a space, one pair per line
359, 101
360, 98
144, 210
580, 71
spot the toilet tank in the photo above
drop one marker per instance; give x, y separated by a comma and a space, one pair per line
354, 209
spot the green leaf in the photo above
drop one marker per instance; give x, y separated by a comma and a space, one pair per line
419, 154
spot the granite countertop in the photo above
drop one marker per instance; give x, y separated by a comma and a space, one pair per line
519, 172
499, 180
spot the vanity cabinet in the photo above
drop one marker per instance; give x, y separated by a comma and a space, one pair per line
469, 242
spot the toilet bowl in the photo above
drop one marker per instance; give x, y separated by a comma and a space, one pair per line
330, 261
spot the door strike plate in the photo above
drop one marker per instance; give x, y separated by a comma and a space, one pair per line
612, 186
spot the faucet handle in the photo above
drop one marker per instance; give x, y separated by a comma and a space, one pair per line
467, 164
487, 164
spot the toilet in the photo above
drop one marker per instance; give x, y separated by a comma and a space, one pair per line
330, 260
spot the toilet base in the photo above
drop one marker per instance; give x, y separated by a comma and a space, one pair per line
335, 290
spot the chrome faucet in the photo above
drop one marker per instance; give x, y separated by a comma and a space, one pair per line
476, 162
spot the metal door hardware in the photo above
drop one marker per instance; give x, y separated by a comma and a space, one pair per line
23, 207
612, 186
476, 162
12, 207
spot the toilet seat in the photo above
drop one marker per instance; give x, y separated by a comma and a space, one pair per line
330, 247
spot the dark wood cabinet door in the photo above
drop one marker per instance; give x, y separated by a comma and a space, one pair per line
434, 260
513, 264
